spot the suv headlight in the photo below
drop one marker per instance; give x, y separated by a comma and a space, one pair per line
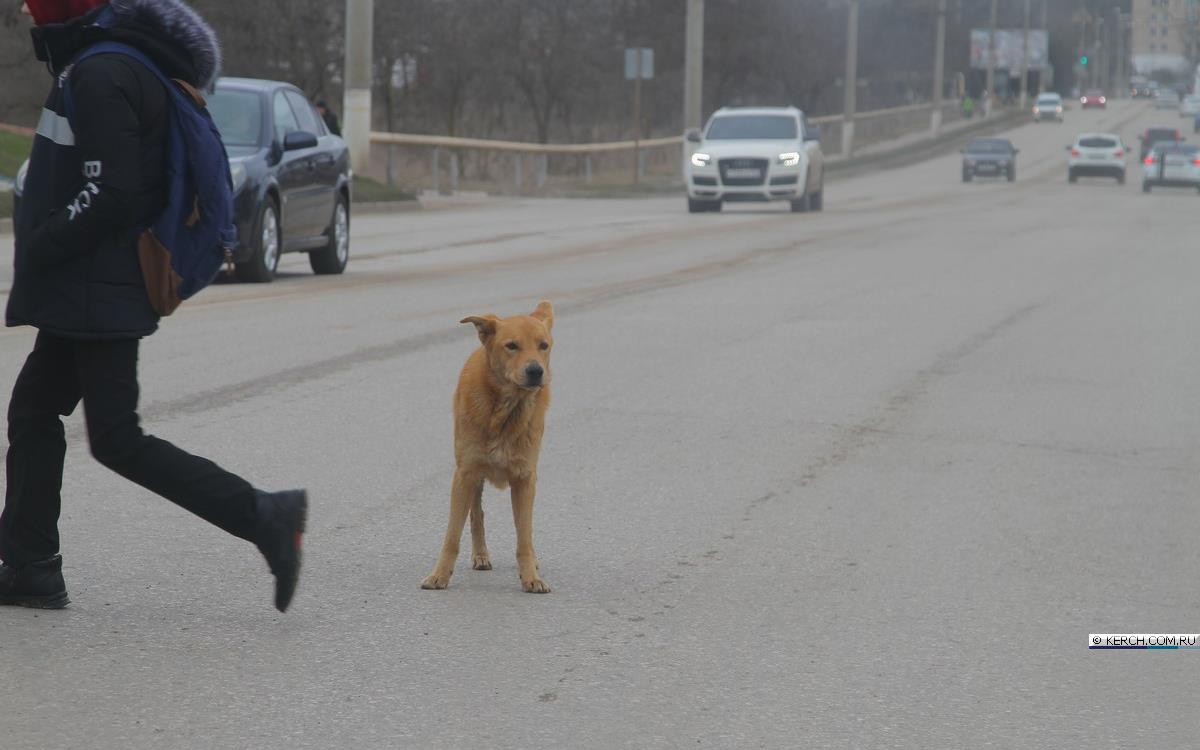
701, 160
19, 183
237, 170
789, 159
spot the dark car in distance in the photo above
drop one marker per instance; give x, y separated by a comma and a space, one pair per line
291, 177
1158, 135
991, 157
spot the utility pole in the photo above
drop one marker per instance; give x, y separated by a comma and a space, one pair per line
693, 64
939, 63
991, 65
1025, 59
1119, 45
637, 114
1046, 64
851, 79
1122, 80
356, 104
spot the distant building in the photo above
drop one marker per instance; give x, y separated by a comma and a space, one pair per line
1165, 35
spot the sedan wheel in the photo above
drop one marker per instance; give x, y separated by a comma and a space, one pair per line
333, 257
264, 257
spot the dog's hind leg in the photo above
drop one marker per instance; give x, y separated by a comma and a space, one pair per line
461, 493
523, 491
480, 559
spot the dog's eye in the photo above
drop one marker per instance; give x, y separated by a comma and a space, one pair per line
511, 346
543, 346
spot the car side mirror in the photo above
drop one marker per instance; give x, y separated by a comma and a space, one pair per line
692, 135
299, 139
812, 133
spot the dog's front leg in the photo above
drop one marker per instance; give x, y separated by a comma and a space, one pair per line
480, 559
464, 489
523, 490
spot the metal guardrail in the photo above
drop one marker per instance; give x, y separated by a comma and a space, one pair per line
577, 149
873, 125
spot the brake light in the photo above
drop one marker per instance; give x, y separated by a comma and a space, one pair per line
1196, 162
1148, 160
1118, 153
1074, 152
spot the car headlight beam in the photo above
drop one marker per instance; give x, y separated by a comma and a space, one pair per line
790, 158
701, 160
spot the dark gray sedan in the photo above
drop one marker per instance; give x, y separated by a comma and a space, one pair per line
291, 177
989, 157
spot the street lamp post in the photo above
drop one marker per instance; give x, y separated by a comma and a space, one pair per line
1025, 59
939, 64
851, 79
991, 65
693, 64
356, 102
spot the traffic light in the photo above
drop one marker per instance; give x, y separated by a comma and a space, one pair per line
1083, 59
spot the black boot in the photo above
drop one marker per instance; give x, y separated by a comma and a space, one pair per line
281, 520
38, 584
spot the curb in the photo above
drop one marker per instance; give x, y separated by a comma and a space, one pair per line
384, 207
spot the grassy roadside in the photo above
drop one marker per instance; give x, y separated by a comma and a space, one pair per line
366, 190
13, 150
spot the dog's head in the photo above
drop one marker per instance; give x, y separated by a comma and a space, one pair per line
518, 348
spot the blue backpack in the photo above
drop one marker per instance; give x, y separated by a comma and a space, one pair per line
182, 251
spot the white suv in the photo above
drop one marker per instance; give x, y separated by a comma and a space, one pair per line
1097, 155
755, 154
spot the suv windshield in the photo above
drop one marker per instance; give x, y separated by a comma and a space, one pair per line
752, 127
238, 116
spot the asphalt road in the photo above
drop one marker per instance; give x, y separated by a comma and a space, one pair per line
866, 478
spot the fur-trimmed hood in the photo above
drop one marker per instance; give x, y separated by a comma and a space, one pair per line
176, 20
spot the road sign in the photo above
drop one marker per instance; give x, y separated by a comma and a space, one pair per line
632, 66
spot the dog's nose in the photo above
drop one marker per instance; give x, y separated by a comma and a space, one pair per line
533, 373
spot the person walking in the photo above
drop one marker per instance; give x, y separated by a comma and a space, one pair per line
93, 181
329, 116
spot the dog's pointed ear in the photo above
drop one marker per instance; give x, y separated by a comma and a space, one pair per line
485, 325
545, 313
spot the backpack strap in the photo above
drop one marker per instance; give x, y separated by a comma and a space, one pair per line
115, 48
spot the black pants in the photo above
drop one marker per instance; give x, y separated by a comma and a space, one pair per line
57, 375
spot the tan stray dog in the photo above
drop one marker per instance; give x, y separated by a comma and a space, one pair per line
499, 415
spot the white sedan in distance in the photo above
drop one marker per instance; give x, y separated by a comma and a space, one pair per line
1171, 165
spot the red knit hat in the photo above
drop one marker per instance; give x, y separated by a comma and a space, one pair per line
60, 11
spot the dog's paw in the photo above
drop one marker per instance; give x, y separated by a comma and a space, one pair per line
435, 581
535, 586
481, 562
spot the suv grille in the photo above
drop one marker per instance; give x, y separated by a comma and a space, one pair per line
740, 166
